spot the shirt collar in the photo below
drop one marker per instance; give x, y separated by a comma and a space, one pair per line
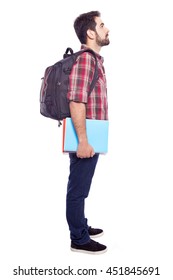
83, 46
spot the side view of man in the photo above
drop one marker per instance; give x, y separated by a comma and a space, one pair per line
92, 34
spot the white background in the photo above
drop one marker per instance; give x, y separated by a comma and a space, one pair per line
131, 195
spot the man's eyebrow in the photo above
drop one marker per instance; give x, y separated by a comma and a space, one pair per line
102, 24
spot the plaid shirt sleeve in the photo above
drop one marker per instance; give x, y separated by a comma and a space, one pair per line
81, 78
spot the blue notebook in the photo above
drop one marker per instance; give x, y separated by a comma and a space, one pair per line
97, 133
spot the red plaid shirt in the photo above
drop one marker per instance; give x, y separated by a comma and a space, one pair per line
79, 84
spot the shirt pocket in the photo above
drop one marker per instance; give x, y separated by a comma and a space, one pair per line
101, 83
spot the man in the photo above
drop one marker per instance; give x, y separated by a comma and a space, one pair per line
92, 34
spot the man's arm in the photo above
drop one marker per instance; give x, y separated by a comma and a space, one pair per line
78, 115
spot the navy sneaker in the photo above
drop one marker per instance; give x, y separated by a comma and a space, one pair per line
95, 232
92, 247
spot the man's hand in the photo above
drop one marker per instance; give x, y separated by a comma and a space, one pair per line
85, 150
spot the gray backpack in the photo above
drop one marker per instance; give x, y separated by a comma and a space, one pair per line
53, 94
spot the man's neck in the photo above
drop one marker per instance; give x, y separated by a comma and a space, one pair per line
93, 46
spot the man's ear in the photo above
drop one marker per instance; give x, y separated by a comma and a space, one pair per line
91, 34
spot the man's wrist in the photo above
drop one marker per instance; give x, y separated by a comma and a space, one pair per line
82, 140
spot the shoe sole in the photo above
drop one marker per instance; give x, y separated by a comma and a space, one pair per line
97, 235
89, 252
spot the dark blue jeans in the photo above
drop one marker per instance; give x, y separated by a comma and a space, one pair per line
80, 178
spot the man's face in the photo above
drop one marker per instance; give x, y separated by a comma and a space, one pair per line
102, 32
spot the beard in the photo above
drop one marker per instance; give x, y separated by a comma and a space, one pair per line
102, 42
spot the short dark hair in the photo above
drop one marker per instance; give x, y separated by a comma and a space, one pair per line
84, 22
